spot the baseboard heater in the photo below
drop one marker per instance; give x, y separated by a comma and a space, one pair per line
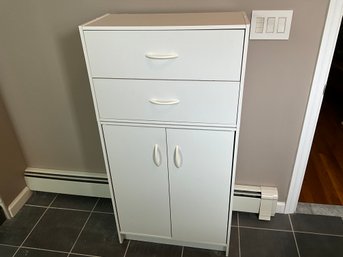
68, 182
256, 199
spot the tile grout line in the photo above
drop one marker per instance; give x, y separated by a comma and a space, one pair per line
42, 249
239, 236
87, 255
289, 231
56, 251
182, 251
57, 208
84, 225
47, 208
67, 209
269, 229
9, 245
318, 234
104, 212
295, 239
127, 248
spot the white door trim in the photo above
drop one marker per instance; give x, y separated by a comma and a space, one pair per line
329, 39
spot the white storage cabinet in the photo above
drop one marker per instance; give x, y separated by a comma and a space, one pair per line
167, 91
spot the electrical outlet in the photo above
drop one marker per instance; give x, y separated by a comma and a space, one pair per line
271, 24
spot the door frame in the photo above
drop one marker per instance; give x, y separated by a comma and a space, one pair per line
323, 65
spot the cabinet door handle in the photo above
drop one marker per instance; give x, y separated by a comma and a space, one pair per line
157, 156
160, 56
164, 101
177, 157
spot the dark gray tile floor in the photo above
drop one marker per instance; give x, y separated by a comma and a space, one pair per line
52, 225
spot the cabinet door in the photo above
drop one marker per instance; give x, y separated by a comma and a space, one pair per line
200, 164
138, 167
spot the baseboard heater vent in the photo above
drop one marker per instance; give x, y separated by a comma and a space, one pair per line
68, 182
256, 199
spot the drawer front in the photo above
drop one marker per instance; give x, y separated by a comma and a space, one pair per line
168, 101
191, 54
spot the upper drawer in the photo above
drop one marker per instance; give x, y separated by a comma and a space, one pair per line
207, 102
188, 54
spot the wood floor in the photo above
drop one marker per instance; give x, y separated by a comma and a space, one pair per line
323, 182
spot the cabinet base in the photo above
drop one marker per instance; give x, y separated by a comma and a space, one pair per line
164, 240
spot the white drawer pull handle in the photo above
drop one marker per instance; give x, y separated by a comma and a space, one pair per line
161, 56
177, 157
157, 156
164, 102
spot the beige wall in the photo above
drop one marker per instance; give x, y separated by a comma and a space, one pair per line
12, 163
44, 82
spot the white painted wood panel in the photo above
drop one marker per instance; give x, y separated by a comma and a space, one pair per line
171, 21
141, 187
195, 54
200, 187
176, 81
198, 101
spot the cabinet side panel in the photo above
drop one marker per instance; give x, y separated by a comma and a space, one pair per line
140, 186
200, 186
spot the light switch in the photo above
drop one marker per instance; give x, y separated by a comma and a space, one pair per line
259, 24
271, 24
281, 25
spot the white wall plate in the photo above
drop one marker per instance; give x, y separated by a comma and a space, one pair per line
271, 24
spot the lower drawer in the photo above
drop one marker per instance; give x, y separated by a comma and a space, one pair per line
205, 102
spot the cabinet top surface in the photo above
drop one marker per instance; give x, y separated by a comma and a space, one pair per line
219, 20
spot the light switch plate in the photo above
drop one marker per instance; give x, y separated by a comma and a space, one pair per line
271, 24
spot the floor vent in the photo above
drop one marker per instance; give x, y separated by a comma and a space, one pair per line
256, 199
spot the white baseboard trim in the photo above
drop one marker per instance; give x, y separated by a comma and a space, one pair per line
68, 182
280, 207
19, 201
